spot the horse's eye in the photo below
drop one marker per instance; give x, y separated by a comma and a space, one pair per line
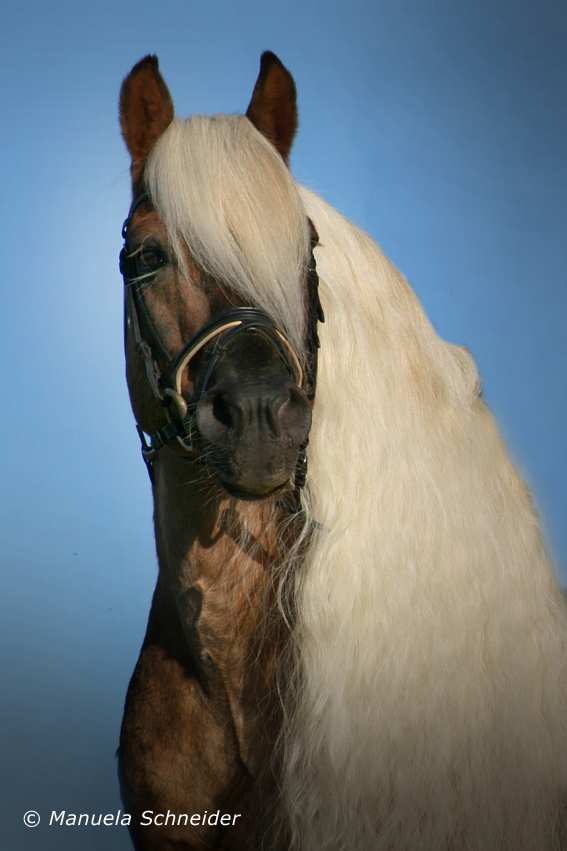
152, 258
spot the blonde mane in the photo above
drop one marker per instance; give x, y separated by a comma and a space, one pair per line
430, 711
432, 635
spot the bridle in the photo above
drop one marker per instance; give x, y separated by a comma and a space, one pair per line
165, 373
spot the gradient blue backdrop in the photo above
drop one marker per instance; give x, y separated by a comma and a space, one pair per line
437, 125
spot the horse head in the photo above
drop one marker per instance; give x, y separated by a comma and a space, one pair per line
221, 287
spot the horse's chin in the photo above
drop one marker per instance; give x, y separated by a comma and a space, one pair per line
251, 475
251, 493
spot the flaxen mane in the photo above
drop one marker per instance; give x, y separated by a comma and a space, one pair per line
431, 634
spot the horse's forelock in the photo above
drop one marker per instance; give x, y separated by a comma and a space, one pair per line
224, 193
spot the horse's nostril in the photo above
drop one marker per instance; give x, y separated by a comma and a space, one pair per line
222, 411
217, 416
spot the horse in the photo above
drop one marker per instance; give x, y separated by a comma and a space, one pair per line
357, 641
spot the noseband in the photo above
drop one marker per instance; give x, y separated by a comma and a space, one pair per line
165, 374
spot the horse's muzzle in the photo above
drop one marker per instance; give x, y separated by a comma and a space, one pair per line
254, 433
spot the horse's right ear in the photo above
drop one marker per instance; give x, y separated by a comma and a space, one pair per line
146, 111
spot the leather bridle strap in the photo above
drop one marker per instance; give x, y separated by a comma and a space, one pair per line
235, 319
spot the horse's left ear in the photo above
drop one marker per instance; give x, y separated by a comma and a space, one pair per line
146, 111
273, 108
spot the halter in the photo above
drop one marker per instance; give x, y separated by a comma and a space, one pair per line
166, 382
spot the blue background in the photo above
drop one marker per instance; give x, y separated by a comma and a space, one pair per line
437, 125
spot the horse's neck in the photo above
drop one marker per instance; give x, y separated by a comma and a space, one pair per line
218, 560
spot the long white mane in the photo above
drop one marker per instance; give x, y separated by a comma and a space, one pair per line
432, 713
431, 705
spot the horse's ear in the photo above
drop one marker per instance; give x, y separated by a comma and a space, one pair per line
273, 108
146, 110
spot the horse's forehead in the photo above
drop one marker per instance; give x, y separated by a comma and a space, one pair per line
145, 222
